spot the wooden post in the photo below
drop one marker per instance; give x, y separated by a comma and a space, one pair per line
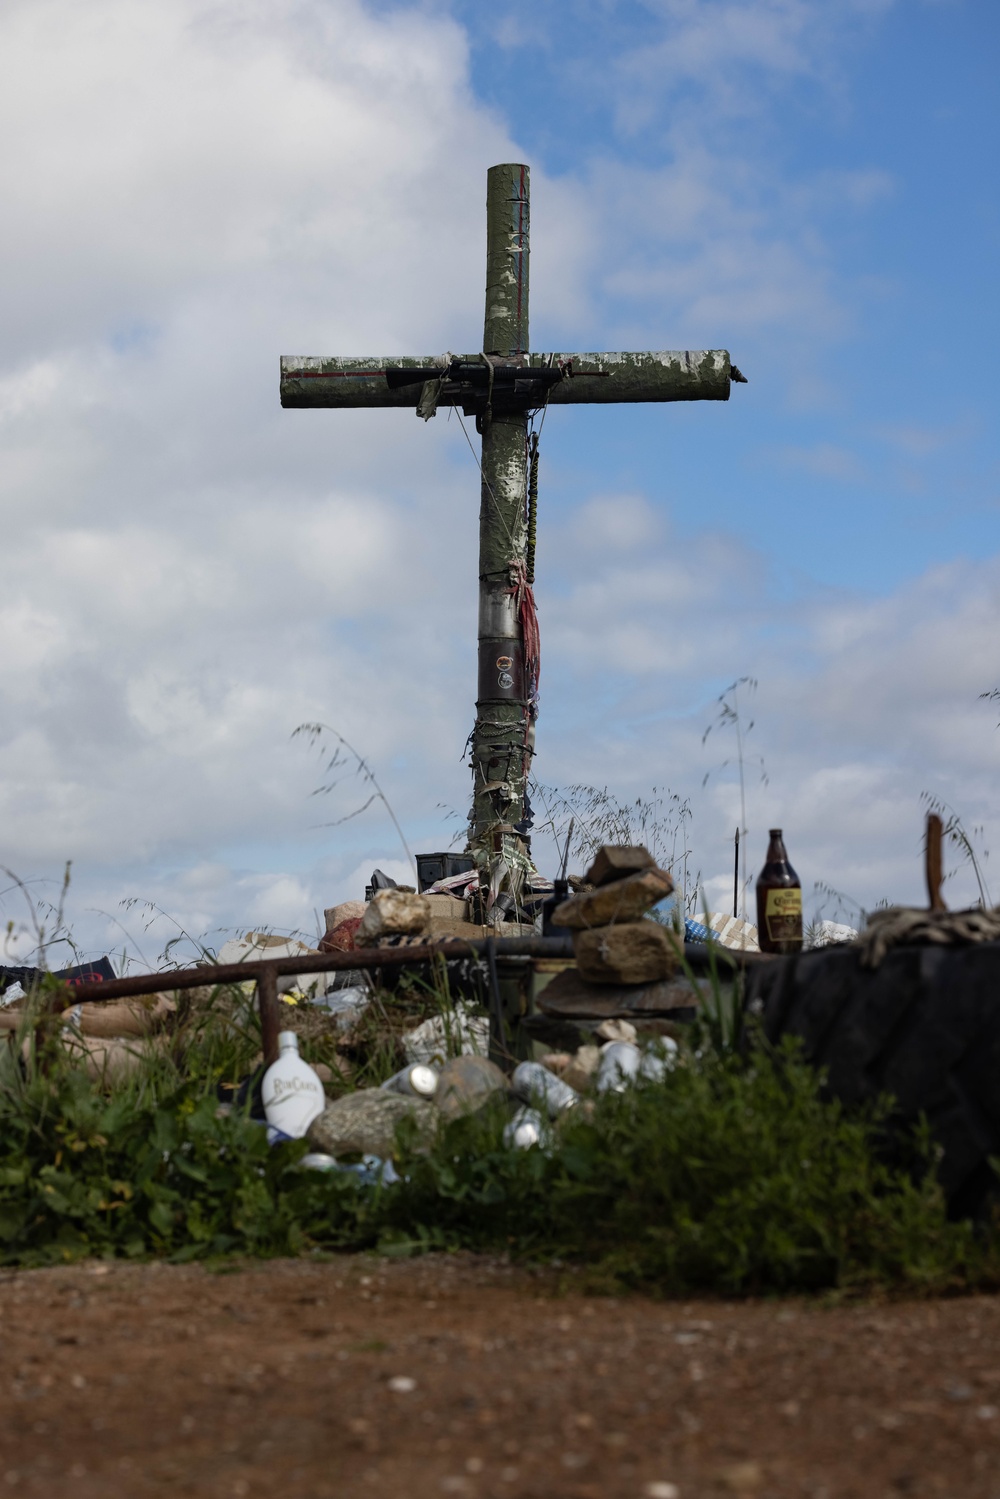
270, 1013
934, 862
502, 739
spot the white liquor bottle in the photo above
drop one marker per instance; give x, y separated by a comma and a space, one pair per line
291, 1091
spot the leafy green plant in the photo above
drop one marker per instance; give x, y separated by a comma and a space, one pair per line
154, 1168
735, 1175
732, 1177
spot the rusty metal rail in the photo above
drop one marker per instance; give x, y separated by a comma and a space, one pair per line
266, 972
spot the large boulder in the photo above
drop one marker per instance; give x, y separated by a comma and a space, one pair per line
623, 900
636, 952
466, 1084
365, 1122
614, 861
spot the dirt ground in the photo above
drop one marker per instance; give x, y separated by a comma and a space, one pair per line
457, 1376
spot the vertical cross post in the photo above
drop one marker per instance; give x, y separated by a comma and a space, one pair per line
502, 740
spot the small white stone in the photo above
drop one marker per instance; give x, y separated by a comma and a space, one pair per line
402, 1384
659, 1489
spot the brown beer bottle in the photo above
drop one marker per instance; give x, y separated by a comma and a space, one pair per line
779, 901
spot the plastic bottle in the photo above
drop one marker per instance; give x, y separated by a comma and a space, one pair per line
779, 901
291, 1091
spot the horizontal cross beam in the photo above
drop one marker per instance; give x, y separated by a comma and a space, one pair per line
525, 383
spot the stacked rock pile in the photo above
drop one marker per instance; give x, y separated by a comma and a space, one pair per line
626, 964
613, 944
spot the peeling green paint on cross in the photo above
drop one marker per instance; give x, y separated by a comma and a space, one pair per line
501, 387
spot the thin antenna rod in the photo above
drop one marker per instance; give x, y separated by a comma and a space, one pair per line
565, 859
736, 877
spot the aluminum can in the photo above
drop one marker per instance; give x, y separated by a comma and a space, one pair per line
659, 1060
540, 1087
525, 1128
417, 1081
620, 1065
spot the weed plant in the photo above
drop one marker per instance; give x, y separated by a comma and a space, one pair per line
735, 1176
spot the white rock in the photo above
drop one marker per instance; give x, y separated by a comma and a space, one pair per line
616, 1030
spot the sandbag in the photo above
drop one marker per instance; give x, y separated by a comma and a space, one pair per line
143, 1015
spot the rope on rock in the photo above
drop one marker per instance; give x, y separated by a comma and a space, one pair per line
908, 925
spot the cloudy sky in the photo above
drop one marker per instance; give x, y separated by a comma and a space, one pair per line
196, 187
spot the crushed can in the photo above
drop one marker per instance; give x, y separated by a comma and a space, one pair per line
525, 1128
659, 1060
536, 1085
620, 1065
416, 1081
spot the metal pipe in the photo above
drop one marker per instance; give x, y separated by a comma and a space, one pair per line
214, 975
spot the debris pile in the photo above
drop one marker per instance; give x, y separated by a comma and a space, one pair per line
535, 1096
499, 1026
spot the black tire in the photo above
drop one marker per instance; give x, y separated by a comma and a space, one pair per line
923, 1027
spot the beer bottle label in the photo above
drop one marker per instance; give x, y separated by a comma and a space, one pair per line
783, 914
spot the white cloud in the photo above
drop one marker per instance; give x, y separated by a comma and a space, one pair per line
863, 704
190, 572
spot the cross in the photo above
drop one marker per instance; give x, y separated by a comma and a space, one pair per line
503, 387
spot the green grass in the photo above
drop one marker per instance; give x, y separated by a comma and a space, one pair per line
736, 1176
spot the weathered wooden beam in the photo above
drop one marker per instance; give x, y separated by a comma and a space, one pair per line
591, 379
508, 189
502, 736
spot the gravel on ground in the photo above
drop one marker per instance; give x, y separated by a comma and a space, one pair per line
465, 1376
